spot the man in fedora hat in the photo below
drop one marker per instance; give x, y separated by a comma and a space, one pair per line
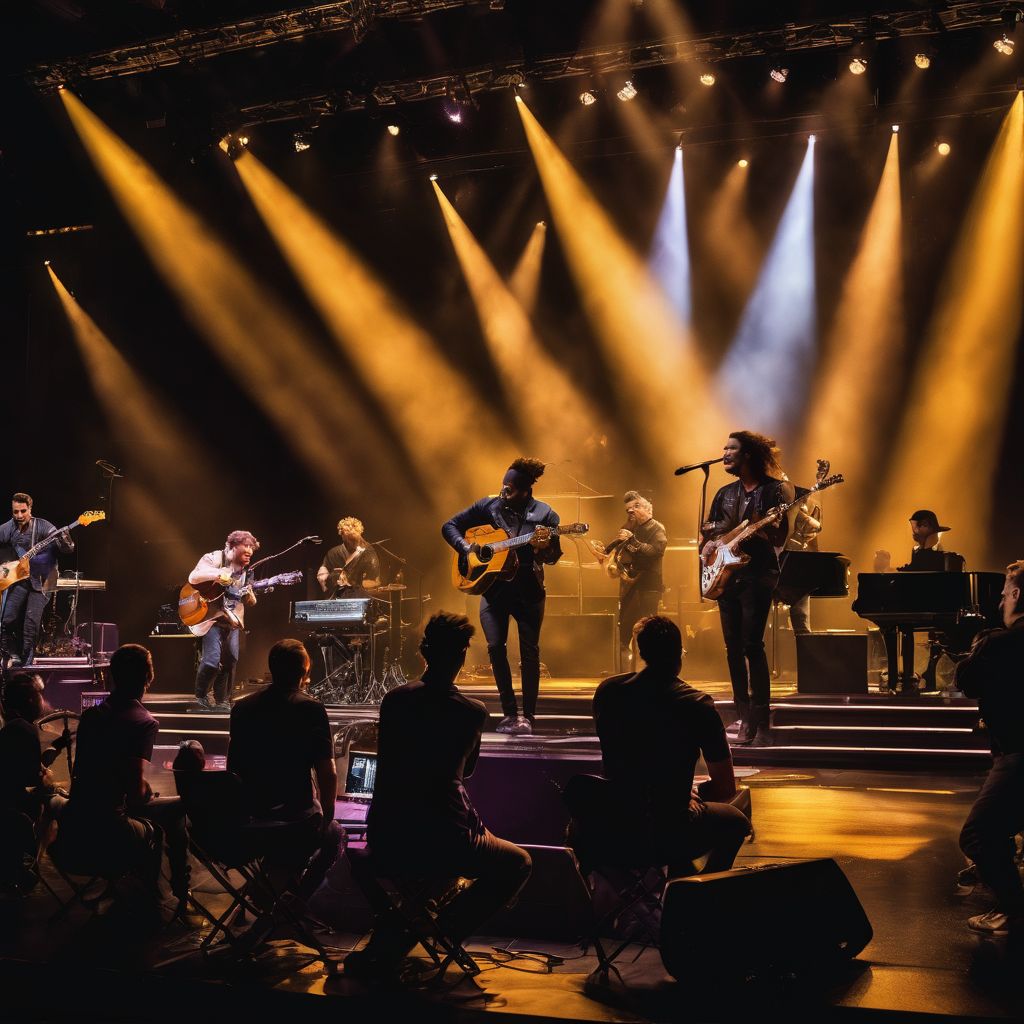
928, 554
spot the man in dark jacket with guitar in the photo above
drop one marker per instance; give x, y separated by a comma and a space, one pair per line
520, 597
747, 600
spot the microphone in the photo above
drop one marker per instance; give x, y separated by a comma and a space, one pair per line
109, 468
698, 465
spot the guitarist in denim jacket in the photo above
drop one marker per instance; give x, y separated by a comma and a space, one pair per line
745, 604
23, 602
516, 511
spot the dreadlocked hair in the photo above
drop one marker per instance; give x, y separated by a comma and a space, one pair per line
533, 468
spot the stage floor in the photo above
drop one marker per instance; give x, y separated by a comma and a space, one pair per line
894, 834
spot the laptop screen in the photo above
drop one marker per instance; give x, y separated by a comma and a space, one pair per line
362, 773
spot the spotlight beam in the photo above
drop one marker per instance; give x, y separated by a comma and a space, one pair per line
670, 250
524, 283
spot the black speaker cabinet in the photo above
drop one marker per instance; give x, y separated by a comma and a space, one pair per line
174, 662
832, 662
777, 919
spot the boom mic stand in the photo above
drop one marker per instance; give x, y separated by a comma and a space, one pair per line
705, 467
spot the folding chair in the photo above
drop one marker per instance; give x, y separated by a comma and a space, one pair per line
224, 839
416, 901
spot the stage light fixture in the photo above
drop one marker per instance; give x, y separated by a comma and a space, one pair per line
46, 263
811, 139
895, 128
302, 140
394, 129
628, 91
707, 78
1005, 44
778, 73
944, 148
234, 144
433, 177
923, 61
858, 65
587, 98
743, 162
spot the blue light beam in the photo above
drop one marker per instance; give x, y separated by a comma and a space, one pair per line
670, 253
763, 378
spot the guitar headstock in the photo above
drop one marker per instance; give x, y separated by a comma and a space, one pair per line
286, 579
830, 481
91, 517
575, 528
822, 471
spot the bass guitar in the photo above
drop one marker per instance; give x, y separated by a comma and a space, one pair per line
495, 557
201, 605
721, 558
18, 570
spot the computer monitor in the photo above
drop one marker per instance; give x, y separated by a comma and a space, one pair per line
361, 774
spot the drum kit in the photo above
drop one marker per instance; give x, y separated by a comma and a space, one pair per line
356, 644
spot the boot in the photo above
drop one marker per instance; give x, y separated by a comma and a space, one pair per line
761, 733
745, 732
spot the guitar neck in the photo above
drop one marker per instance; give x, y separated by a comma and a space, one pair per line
516, 542
761, 523
48, 540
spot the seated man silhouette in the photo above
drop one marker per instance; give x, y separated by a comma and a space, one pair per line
652, 728
280, 740
422, 823
114, 822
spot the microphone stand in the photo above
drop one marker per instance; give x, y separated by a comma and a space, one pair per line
395, 667
705, 468
281, 554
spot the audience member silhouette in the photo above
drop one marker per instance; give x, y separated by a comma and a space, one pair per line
114, 822
422, 823
280, 739
653, 727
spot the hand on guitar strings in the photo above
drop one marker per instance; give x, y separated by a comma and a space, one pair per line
625, 535
541, 538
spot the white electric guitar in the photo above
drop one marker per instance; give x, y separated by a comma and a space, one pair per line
721, 558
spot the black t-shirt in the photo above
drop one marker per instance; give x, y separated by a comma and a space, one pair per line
277, 737
652, 729
109, 735
20, 750
429, 741
994, 674
365, 566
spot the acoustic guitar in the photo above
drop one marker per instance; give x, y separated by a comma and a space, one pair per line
18, 570
496, 556
201, 605
723, 557
615, 565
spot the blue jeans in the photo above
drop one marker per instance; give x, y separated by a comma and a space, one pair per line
744, 609
988, 833
217, 665
23, 612
495, 611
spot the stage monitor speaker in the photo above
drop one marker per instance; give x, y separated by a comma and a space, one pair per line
579, 645
771, 920
102, 638
832, 662
174, 663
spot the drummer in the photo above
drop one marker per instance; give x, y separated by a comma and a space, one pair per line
352, 567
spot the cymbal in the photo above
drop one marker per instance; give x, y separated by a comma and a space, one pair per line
566, 563
388, 587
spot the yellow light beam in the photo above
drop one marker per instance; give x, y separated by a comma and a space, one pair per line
730, 239
551, 408
648, 349
860, 373
946, 450
172, 463
524, 282
434, 410
250, 331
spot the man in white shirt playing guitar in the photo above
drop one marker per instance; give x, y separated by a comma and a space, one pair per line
746, 601
228, 568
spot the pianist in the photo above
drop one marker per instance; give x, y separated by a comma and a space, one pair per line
928, 554
992, 674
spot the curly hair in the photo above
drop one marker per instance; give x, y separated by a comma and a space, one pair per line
351, 523
630, 496
532, 468
238, 537
763, 452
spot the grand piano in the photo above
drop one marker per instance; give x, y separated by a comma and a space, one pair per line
817, 573
953, 605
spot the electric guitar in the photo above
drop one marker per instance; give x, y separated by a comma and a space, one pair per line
18, 570
496, 557
618, 568
201, 605
721, 558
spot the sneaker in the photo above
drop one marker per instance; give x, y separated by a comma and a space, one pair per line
967, 878
522, 727
507, 725
745, 733
200, 704
221, 705
995, 922
763, 736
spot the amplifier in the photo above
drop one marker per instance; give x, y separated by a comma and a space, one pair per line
339, 610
